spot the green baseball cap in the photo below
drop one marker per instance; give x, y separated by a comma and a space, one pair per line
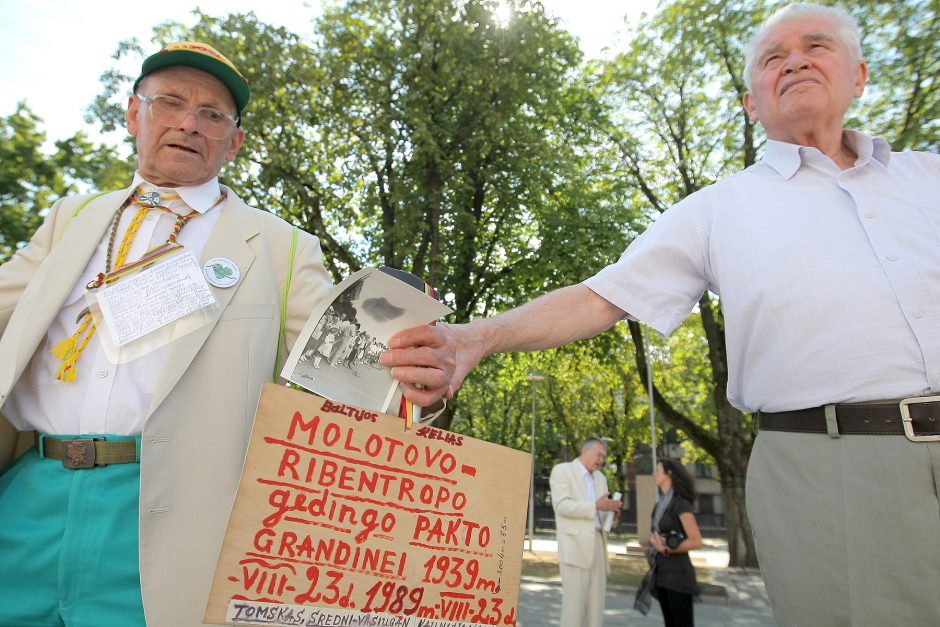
202, 57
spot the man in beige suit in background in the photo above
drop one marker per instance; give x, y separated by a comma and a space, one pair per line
112, 514
579, 495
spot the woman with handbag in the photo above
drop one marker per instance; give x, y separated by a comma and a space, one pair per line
675, 533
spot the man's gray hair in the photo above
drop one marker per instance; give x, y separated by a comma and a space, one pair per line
846, 30
593, 440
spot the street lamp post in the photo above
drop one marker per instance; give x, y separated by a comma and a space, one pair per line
649, 385
533, 379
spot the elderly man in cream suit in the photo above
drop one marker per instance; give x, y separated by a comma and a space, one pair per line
579, 495
125, 469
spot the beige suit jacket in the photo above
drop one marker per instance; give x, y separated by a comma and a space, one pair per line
198, 423
575, 512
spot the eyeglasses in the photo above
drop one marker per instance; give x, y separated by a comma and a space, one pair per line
170, 112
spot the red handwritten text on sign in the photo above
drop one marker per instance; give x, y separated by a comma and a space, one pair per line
344, 517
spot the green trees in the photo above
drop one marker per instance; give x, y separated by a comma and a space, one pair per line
494, 161
683, 71
676, 97
26, 178
427, 137
30, 180
417, 135
902, 101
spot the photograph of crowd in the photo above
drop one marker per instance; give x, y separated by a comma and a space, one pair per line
337, 354
340, 341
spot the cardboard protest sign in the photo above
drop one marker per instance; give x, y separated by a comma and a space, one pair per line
344, 518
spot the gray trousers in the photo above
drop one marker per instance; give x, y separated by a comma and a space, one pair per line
847, 528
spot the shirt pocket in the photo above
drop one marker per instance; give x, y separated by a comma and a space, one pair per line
249, 311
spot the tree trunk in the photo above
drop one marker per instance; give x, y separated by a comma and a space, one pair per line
730, 447
741, 548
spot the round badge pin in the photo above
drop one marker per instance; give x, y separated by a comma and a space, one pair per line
221, 272
150, 199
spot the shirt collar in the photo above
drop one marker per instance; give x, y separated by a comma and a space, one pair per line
787, 158
584, 470
867, 147
200, 198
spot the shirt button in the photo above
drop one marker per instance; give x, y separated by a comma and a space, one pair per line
892, 257
869, 214
917, 313
102, 374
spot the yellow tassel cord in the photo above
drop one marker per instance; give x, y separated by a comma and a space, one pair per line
70, 349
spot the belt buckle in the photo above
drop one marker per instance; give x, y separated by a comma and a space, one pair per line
79, 453
908, 422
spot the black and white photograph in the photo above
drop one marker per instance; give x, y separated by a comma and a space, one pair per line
337, 354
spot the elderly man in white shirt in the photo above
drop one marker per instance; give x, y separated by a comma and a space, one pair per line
826, 255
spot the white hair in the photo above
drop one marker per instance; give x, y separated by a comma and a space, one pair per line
846, 30
591, 441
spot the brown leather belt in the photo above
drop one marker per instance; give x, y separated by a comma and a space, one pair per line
917, 418
75, 453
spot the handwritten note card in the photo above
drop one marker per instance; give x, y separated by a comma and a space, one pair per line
143, 302
342, 517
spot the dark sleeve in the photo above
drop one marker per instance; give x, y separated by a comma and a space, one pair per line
670, 520
681, 506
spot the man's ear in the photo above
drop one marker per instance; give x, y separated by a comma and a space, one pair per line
131, 116
237, 138
749, 107
861, 77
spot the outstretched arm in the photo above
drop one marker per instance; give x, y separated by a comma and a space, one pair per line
565, 315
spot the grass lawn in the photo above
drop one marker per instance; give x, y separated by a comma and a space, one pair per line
624, 571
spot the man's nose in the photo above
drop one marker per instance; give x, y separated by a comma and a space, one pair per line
795, 62
189, 123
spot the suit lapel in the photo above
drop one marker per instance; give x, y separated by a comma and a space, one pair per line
577, 477
229, 239
54, 280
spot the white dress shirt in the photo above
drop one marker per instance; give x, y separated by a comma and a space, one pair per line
829, 279
588, 477
106, 397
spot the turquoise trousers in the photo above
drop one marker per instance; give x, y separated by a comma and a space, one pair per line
68, 545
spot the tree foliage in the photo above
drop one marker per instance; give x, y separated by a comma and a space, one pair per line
494, 161
26, 178
901, 41
423, 136
427, 137
677, 95
31, 180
